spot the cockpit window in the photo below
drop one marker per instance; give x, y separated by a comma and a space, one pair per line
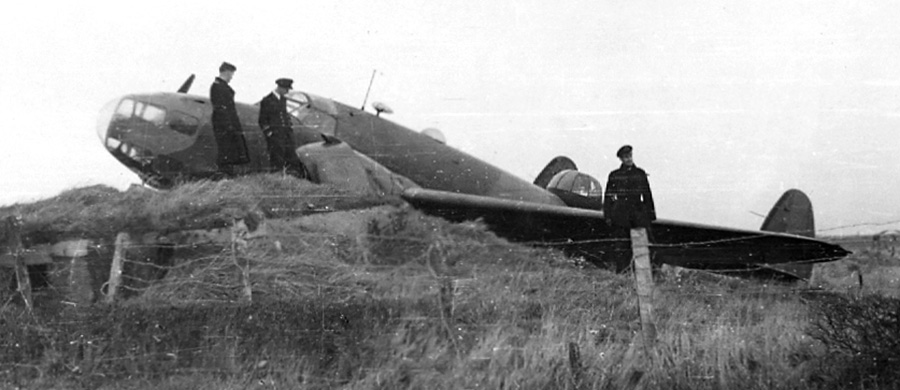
156, 115
150, 113
297, 105
182, 122
126, 108
585, 185
312, 112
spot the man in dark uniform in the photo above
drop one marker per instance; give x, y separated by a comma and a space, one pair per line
226, 124
628, 204
275, 122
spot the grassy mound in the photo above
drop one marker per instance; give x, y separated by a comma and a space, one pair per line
101, 211
393, 251
404, 300
386, 298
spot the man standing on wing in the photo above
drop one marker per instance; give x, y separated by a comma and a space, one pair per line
232, 148
275, 122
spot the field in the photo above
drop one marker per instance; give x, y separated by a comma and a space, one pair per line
874, 267
330, 291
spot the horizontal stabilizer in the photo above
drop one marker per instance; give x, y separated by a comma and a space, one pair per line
585, 233
555, 166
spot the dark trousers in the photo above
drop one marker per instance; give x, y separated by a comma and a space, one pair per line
620, 255
232, 149
282, 152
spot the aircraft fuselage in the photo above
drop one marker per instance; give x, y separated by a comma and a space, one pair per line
168, 137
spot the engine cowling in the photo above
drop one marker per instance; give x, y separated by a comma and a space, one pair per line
577, 189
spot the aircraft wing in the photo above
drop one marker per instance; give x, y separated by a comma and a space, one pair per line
585, 232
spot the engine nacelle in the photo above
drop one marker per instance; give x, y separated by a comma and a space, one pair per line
577, 189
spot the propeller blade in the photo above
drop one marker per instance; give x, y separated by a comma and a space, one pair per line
187, 84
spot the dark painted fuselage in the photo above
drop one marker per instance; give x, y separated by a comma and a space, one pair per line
167, 137
175, 142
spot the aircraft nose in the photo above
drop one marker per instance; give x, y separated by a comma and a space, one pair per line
105, 117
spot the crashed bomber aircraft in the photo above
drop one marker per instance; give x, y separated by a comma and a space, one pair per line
166, 137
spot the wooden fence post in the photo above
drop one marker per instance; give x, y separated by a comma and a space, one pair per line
123, 240
636, 359
79, 278
239, 233
446, 295
643, 277
575, 366
23, 281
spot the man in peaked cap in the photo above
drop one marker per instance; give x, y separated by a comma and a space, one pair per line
275, 123
628, 203
232, 148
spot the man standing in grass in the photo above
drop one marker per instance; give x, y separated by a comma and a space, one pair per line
628, 204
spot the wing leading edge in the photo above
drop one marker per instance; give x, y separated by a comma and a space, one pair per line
585, 233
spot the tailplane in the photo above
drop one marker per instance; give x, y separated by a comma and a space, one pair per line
555, 166
792, 214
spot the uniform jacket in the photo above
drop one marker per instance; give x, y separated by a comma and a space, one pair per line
628, 201
227, 124
275, 123
225, 115
273, 112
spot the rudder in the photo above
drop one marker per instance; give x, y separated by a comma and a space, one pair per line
792, 214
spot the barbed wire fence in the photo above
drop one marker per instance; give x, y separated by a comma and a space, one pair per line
229, 256
238, 244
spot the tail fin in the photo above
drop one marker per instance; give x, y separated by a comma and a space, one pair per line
555, 166
792, 214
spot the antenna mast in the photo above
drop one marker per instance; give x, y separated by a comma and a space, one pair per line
367, 91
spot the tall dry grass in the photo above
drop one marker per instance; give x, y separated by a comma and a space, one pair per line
396, 299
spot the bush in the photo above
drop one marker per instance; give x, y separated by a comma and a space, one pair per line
863, 339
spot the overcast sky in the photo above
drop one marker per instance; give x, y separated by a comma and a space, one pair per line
727, 103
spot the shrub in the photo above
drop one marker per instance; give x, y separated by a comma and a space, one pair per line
862, 336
